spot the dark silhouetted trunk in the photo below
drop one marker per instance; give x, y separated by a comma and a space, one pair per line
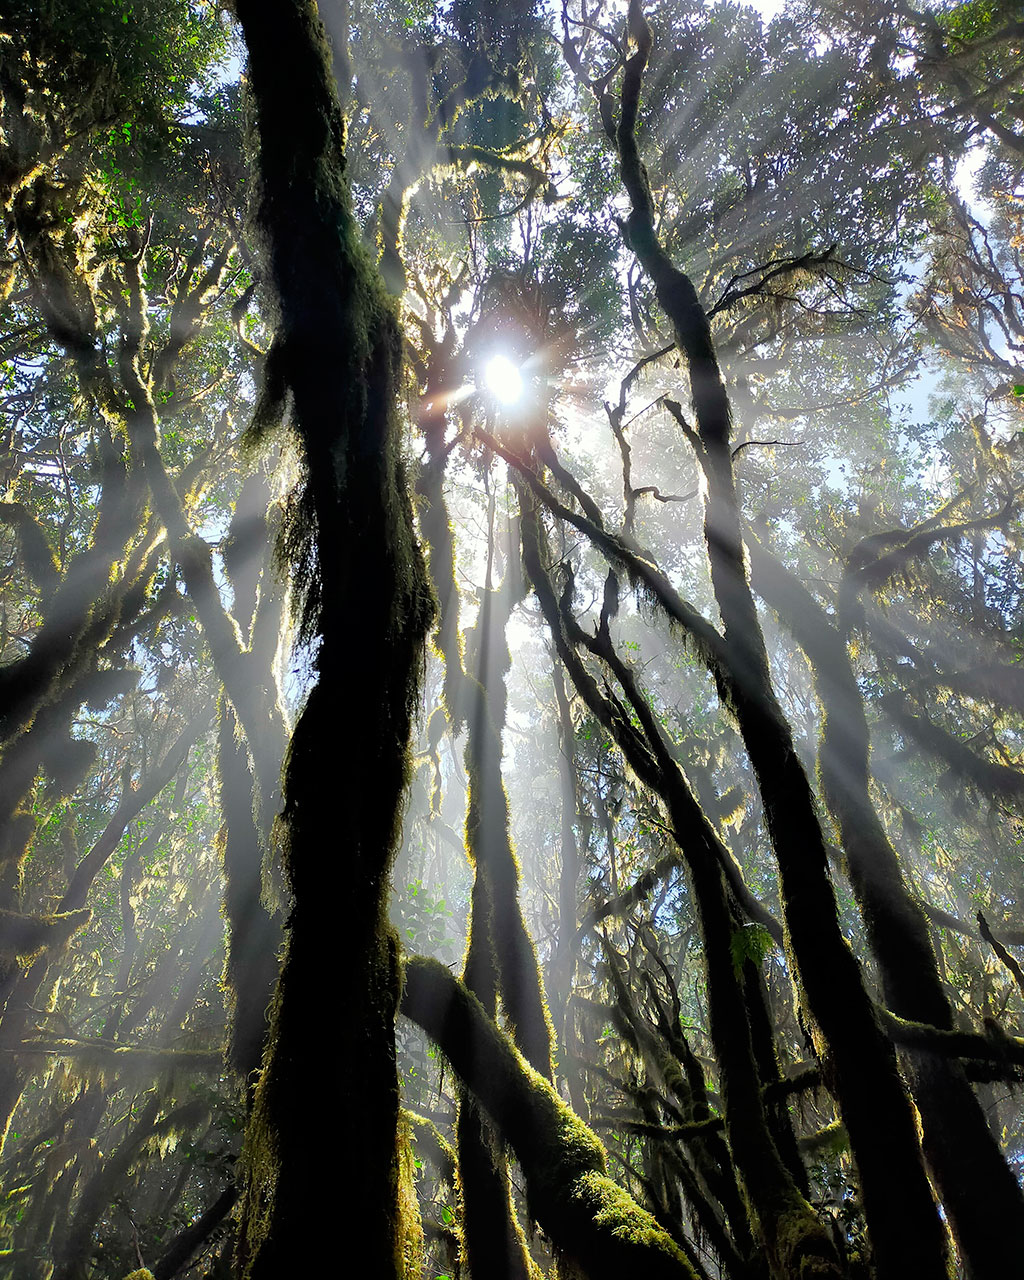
356, 564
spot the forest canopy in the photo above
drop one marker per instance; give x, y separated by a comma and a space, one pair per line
511, 639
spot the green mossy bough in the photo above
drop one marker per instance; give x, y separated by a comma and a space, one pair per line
591, 1220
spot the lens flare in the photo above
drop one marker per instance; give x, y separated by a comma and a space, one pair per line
503, 380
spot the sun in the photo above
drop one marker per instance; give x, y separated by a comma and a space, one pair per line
503, 380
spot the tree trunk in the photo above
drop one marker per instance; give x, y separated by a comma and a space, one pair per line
355, 561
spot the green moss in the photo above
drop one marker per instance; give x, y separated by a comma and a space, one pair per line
25, 937
618, 1211
410, 1225
590, 1220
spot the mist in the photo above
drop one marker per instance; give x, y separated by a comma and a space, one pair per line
510, 640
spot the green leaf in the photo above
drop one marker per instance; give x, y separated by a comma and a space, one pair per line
752, 943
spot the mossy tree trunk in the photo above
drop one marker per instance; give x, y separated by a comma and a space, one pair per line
500, 959
596, 1225
501, 964
907, 1234
338, 352
974, 1180
562, 971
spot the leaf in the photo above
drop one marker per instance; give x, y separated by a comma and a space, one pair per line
752, 943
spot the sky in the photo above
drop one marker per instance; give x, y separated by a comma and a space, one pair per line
767, 8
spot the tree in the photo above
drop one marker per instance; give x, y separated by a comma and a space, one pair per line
767, 887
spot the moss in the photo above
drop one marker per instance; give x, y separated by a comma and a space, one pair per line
500, 955
497, 883
410, 1225
434, 1145
588, 1218
801, 1255
26, 937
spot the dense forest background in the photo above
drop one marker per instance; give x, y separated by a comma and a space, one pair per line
511, 639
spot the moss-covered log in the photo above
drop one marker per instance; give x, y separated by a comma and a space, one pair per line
590, 1219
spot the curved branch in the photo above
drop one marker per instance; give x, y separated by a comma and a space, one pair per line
587, 1216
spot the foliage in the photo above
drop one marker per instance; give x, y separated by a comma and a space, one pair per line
593, 835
